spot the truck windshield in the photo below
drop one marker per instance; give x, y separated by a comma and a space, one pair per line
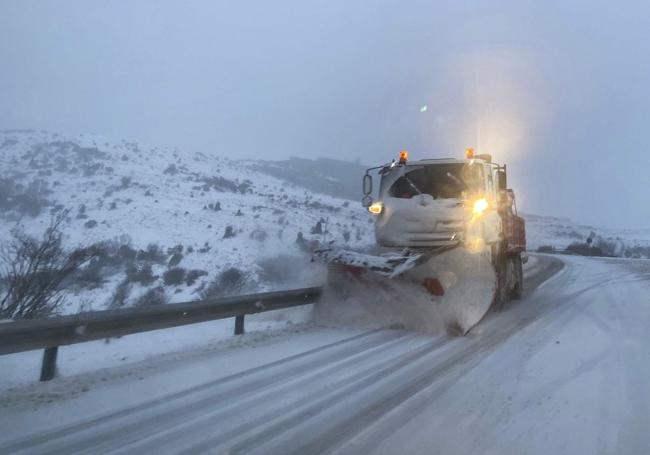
442, 181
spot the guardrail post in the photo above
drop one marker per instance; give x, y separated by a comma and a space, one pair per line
239, 324
48, 368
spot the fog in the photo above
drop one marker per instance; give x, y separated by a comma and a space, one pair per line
556, 89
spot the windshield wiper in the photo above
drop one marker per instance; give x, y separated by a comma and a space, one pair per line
457, 181
412, 185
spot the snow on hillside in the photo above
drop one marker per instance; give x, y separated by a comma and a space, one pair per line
560, 232
129, 193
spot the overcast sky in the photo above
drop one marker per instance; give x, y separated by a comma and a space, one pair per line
560, 90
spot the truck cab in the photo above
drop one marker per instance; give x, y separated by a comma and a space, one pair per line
439, 202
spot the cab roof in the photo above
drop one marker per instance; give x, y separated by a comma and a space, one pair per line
445, 161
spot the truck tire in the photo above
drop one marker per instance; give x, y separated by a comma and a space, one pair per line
518, 288
502, 292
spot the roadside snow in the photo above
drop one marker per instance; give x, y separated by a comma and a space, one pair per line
138, 353
65, 400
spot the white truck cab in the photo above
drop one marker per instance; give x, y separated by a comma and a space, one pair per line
438, 202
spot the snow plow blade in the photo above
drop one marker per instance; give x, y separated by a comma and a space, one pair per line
469, 282
389, 265
461, 285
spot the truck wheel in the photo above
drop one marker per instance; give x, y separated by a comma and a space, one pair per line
518, 288
501, 294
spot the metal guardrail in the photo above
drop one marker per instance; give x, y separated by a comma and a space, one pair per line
50, 333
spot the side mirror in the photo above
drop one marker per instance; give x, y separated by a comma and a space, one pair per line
502, 180
367, 185
366, 201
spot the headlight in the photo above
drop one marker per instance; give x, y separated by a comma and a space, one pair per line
480, 205
376, 208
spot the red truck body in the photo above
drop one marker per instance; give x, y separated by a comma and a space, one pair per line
514, 226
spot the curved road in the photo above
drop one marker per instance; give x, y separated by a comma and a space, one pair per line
565, 370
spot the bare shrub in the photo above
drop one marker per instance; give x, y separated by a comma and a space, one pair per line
229, 232
28, 200
175, 249
32, 272
584, 249
171, 169
125, 182
175, 259
174, 276
81, 214
232, 281
153, 253
127, 253
194, 275
91, 276
258, 234
154, 296
140, 274
607, 246
317, 228
120, 295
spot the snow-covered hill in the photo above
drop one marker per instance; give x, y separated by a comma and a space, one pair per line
217, 212
560, 232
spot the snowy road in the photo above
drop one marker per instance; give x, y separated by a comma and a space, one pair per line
563, 371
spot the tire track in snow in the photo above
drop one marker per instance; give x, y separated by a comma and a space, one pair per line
213, 421
347, 345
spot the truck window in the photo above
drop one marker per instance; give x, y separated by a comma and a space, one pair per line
442, 181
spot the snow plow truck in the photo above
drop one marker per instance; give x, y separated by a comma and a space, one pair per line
450, 225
